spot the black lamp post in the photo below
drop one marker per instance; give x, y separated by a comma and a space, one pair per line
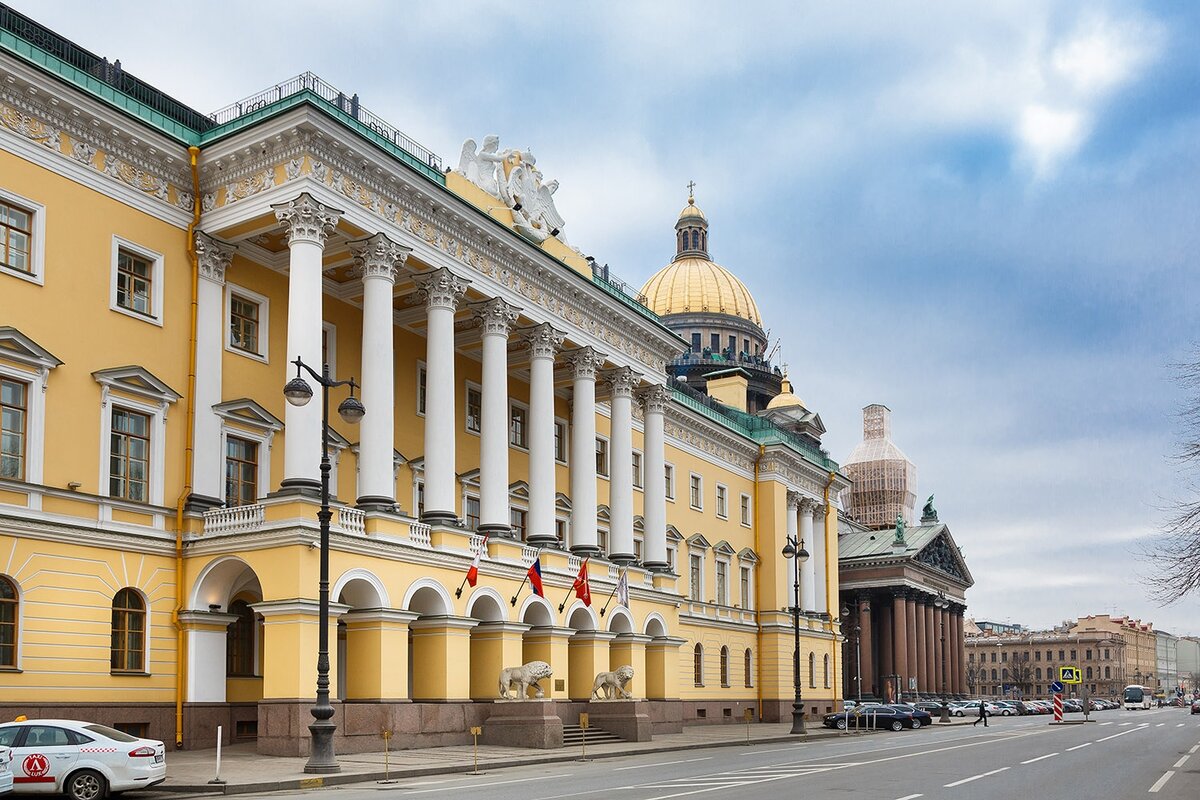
851, 626
942, 603
799, 555
321, 759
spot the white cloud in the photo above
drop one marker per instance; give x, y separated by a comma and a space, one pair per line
1048, 135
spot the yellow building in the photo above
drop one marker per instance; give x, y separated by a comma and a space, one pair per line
162, 270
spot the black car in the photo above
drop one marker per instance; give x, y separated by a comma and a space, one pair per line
886, 717
1196, 706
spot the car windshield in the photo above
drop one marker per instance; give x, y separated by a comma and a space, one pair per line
110, 733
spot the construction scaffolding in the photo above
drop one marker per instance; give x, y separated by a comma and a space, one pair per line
884, 480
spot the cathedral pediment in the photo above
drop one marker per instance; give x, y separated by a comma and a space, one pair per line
942, 554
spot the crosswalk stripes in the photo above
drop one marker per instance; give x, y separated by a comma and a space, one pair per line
746, 777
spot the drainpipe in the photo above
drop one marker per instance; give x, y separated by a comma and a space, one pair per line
188, 451
833, 671
758, 590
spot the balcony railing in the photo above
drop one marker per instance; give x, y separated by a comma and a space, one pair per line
352, 520
420, 533
236, 519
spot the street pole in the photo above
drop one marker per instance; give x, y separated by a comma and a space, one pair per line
795, 551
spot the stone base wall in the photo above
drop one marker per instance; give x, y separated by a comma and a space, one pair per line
815, 709
200, 720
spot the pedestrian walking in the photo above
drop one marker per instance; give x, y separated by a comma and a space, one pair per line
983, 714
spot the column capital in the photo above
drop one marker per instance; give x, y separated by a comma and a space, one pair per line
793, 500
585, 362
306, 219
441, 288
213, 257
496, 316
378, 257
655, 398
543, 340
808, 505
621, 382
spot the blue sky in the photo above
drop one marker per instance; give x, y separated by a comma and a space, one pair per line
982, 215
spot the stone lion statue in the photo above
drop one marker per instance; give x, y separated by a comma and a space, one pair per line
524, 676
613, 683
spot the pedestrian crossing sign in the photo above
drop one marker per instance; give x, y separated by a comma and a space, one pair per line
1069, 675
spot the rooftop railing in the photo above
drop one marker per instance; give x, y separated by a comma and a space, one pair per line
602, 277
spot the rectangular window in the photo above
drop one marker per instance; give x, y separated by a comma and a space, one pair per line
746, 599
637, 470
723, 583
560, 530
695, 343
695, 566
1087, 655
602, 541
637, 550
516, 521
135, 282
518, 426
746, 510
746, 347
560, 441
241, 471
1037, 655
420, 499
732, 346
1073, 656
671, 559
129, 456
474, 405
722, 502
421, 378
14, 411
16, 237
243, 323
669, 476
715, 343
471, 513
602, 457
697, 496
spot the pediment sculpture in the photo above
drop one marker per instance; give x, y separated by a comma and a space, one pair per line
512, 177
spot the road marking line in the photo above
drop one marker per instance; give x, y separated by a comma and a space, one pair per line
1195, 747
1159, 725
491, 783
911, 797
1158, 784
663, 763
1180, 725
974, 778
1079, 746
1122, 733
1102, 724
1181, 761
1039, 758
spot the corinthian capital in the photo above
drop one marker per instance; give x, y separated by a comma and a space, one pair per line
793, 500
213, 256
544, 341
441, 288
621, 382
378, 257
306, 220
654, 399
496, 317
586, 361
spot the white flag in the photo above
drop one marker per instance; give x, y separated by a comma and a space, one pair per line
623, 589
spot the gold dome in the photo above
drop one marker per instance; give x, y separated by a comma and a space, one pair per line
691, 210
693, 285
785, 398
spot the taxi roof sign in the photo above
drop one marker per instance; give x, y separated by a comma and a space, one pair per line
1069, 675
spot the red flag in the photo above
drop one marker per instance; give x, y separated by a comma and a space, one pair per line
535, 577
582, 589
473, 572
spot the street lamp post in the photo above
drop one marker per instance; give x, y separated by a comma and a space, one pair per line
321, 759
850, 625
942, 603
795, 551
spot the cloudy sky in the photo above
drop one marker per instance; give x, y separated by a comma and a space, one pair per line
984, 215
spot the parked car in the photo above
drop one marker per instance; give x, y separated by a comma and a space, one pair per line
875, 716
920, 717
1009, 708
6, 776
82, 760
1196, 706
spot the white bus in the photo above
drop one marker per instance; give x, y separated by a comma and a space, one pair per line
1137, 697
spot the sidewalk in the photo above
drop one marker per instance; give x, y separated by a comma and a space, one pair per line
244, 770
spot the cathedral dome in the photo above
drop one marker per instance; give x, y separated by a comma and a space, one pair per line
786, 398
692, 211
693, 284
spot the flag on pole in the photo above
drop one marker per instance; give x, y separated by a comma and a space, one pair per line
535, 577
582, 589
473, 572
623, 589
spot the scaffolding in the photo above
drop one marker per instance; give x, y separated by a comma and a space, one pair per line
884, 480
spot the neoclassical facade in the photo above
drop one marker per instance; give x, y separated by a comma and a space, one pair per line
159, 554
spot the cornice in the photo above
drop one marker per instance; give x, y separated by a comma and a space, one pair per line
704, 439
111, 537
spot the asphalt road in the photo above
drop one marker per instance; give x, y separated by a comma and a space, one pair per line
1120, 755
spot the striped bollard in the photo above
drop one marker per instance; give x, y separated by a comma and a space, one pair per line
1058, 707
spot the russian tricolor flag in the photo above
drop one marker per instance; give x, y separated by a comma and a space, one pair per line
535, 577
473, 572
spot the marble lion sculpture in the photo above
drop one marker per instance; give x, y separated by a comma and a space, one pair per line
524, 676
613, 683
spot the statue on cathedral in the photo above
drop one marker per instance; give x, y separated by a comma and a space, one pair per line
929, 513
512, 176
899, 528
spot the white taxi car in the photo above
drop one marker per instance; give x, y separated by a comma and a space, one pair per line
6, 776
83, 760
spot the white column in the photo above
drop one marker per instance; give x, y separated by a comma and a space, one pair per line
654, 501
496, 318
583, 451
793, 514
821, 561
208, 465
808, 595
442, 290
543, 342
620, 491
308, 223
378, 258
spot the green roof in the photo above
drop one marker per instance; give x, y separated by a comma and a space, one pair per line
878, 544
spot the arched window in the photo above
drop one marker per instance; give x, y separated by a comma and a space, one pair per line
746, 658
724, 666
239, 641
812, 670
8, 623
993, 673
1088, 673
1038, 672
128, 632
828, 685
698, 665
695, 239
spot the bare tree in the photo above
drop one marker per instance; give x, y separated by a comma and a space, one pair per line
1179, 541
1022, 674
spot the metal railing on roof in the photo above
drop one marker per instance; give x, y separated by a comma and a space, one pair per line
602, 277
349, 104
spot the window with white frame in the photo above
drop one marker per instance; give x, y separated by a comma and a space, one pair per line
671, 558
518, 426
745, 514
669, 477
241, 471
517, 521
14, 423
329, 346
637, 548
419, 498
560, 441
471, 512
602, 540
722, 582
24, 371
248, 317
22, 237
637, 469
747, 590
129, 455
560, 530
421, 380
697, 492
602, 457
696, 577
722, 502
474, 408
136, 289
247, 433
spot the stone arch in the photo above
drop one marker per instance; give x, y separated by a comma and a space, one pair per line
220, 580
620, 621
428, 598
655, 625
360, 588
218, 584
581, 617
486, 604
536, 611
